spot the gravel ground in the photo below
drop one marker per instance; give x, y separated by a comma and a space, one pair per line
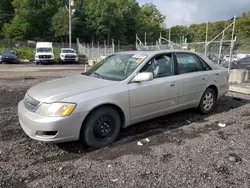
186, 149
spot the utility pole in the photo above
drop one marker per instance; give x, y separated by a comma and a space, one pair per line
206, 40
169, 36
70, 23
71, 4
232, 45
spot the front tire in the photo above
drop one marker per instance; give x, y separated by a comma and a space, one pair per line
101, 127
208, 101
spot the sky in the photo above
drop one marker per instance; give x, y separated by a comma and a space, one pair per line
187, 12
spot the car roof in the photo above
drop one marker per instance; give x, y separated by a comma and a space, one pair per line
152, 53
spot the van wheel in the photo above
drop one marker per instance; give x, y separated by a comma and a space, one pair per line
101, 127
208, 101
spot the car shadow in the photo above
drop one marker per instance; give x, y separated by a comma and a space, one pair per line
164, 124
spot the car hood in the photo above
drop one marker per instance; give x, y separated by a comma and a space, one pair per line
58, 89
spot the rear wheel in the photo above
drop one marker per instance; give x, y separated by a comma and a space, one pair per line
208, 101
101, 127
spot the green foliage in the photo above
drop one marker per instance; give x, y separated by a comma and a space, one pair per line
151, 21
6, 13
93, 20
60, 23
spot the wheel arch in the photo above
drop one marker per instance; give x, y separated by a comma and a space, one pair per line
116, 107
215, 88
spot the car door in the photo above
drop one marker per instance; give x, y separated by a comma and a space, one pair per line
156, 97
193, 79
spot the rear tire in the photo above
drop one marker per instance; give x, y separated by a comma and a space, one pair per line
208, 101
101, 127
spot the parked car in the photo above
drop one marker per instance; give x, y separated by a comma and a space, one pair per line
9, 56
243, 63
121, 90
226, 58
44, 53
68, 55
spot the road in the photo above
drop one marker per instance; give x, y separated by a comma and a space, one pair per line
185, 149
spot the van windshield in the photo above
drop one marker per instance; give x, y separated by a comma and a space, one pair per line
44, 50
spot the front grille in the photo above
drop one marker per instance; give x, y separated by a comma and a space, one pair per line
44, 56
70, 56
30, 103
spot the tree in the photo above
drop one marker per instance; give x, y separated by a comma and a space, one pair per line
151, 21
32, 19
6, 13
60, 23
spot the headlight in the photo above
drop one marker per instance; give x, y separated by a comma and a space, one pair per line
36, 56
56, 109
62, 55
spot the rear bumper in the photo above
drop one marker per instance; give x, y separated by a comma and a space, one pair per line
66, 128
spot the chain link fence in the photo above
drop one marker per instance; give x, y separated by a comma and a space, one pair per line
7, 43
95, 51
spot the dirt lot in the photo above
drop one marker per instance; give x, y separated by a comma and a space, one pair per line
186, 149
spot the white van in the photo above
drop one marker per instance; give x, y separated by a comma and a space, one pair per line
44, 53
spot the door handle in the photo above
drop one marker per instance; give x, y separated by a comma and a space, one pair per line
172, 84
204, 78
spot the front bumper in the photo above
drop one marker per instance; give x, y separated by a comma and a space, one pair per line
44, 60
9, 60
66, 128
69, 60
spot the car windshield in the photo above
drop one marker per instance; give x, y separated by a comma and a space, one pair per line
116, 67
8, 52
68, 51
44, 50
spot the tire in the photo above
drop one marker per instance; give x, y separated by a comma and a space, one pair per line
101, 127
209, 103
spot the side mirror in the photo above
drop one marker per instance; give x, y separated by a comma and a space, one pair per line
142, 77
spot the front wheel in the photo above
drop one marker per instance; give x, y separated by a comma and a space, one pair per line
101, 127
208, 101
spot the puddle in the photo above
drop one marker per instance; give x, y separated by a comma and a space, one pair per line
58, 158
111, 153
29, 78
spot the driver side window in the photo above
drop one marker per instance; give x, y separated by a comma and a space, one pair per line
160, 66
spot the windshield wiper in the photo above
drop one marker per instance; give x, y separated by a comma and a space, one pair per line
98, 75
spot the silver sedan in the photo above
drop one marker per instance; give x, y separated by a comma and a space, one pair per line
121, 90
